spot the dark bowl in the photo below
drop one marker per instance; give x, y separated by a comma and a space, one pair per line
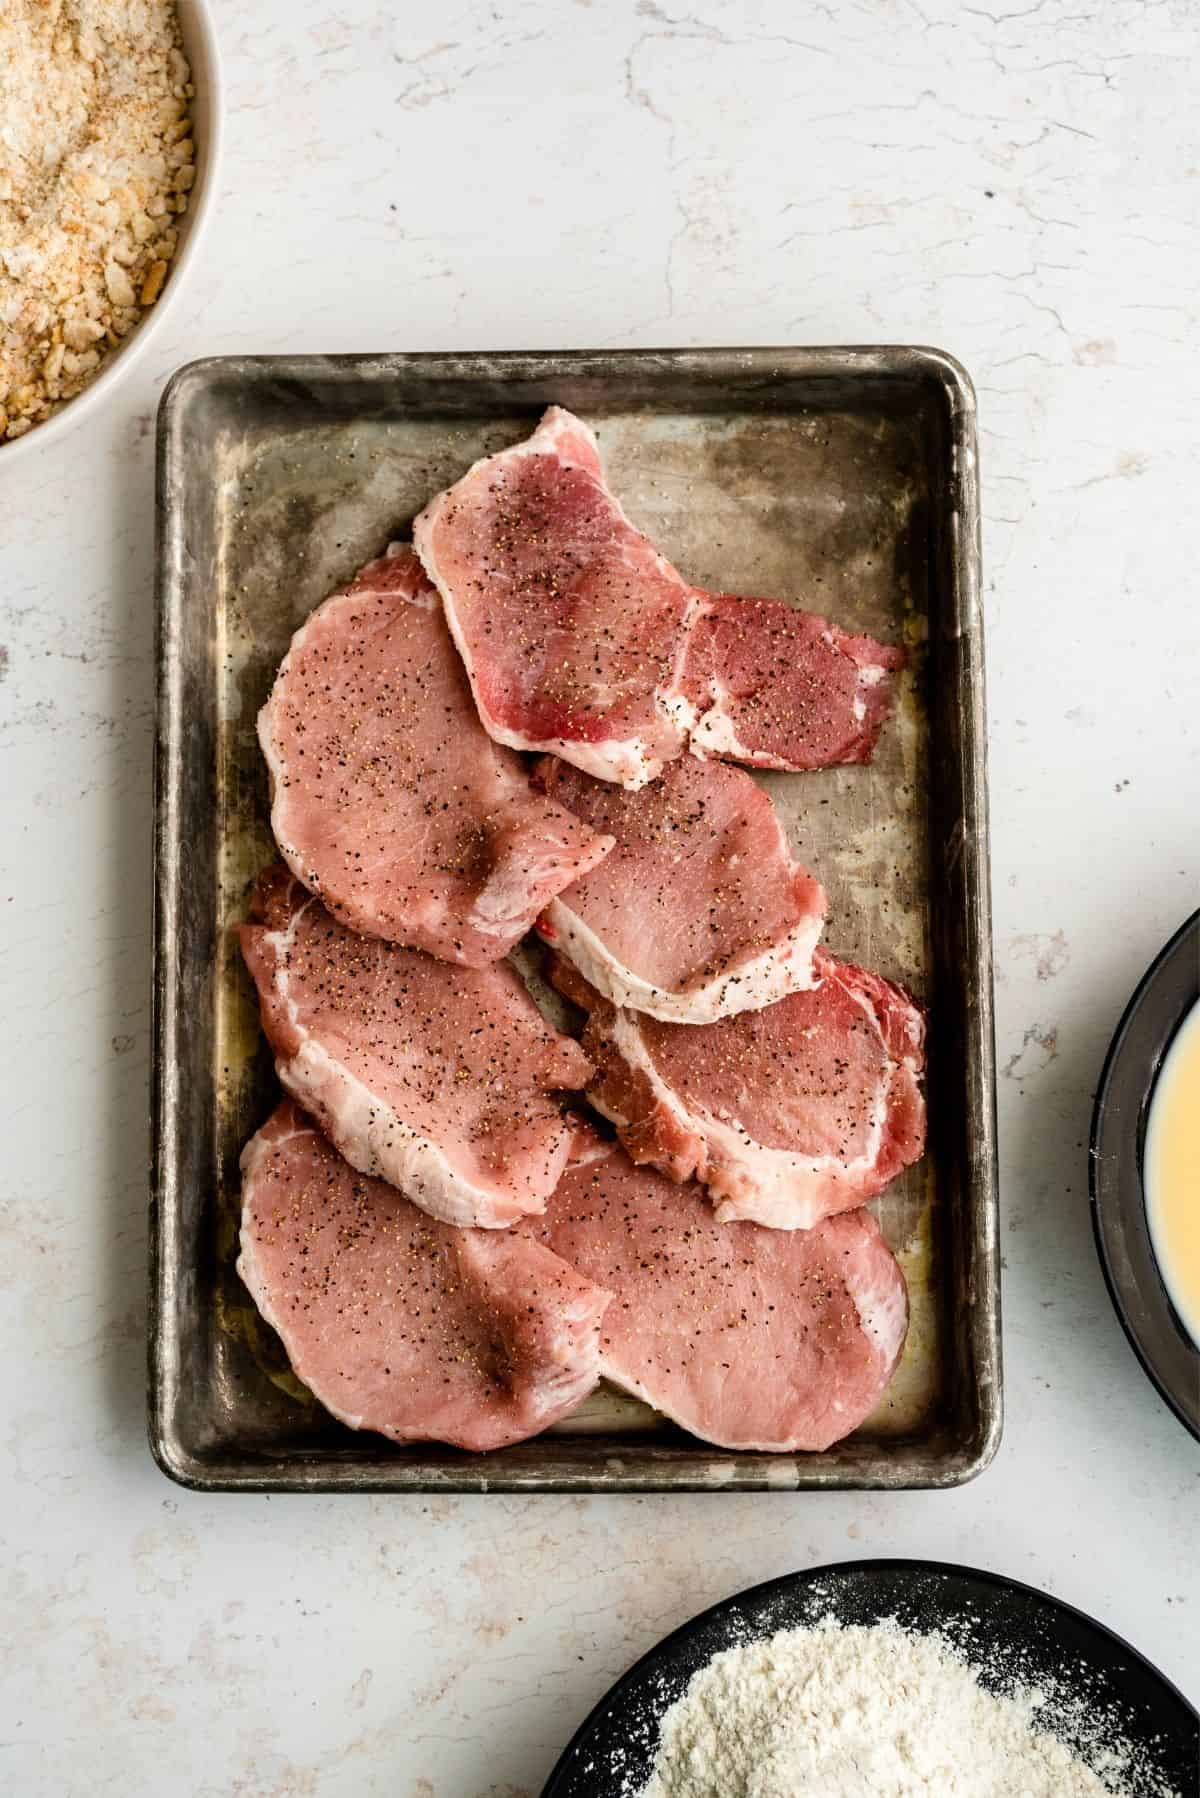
1169, 989
1015, 1633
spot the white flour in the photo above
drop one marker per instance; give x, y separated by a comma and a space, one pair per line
850, 1712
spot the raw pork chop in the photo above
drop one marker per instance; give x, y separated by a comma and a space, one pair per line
787, 1115
780, 688
403, 1325
443, 1080
388, 799
750, 1338
700, 910
572, 626
581, 638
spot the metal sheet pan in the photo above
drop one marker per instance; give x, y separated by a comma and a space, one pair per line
844, 478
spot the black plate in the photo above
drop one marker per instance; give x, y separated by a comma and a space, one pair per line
1014, 1631
1169, 989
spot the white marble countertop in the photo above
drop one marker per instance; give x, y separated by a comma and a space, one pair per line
1021, 187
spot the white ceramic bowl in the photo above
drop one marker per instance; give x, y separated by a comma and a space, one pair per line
200, 47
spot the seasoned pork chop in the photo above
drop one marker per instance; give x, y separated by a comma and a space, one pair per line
571, 624
442, 1080
749, 1338
581, 639
780, 688
400, 1324
388, 798
699, 911
787, 1115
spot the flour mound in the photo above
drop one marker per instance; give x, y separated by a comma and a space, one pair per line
851, 1712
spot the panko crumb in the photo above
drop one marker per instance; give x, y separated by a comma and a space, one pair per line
97, 160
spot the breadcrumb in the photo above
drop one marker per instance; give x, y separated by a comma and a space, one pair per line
97, 158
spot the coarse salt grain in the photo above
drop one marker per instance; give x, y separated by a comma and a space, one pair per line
96, 156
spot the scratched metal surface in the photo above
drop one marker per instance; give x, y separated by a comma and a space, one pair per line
842, 479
